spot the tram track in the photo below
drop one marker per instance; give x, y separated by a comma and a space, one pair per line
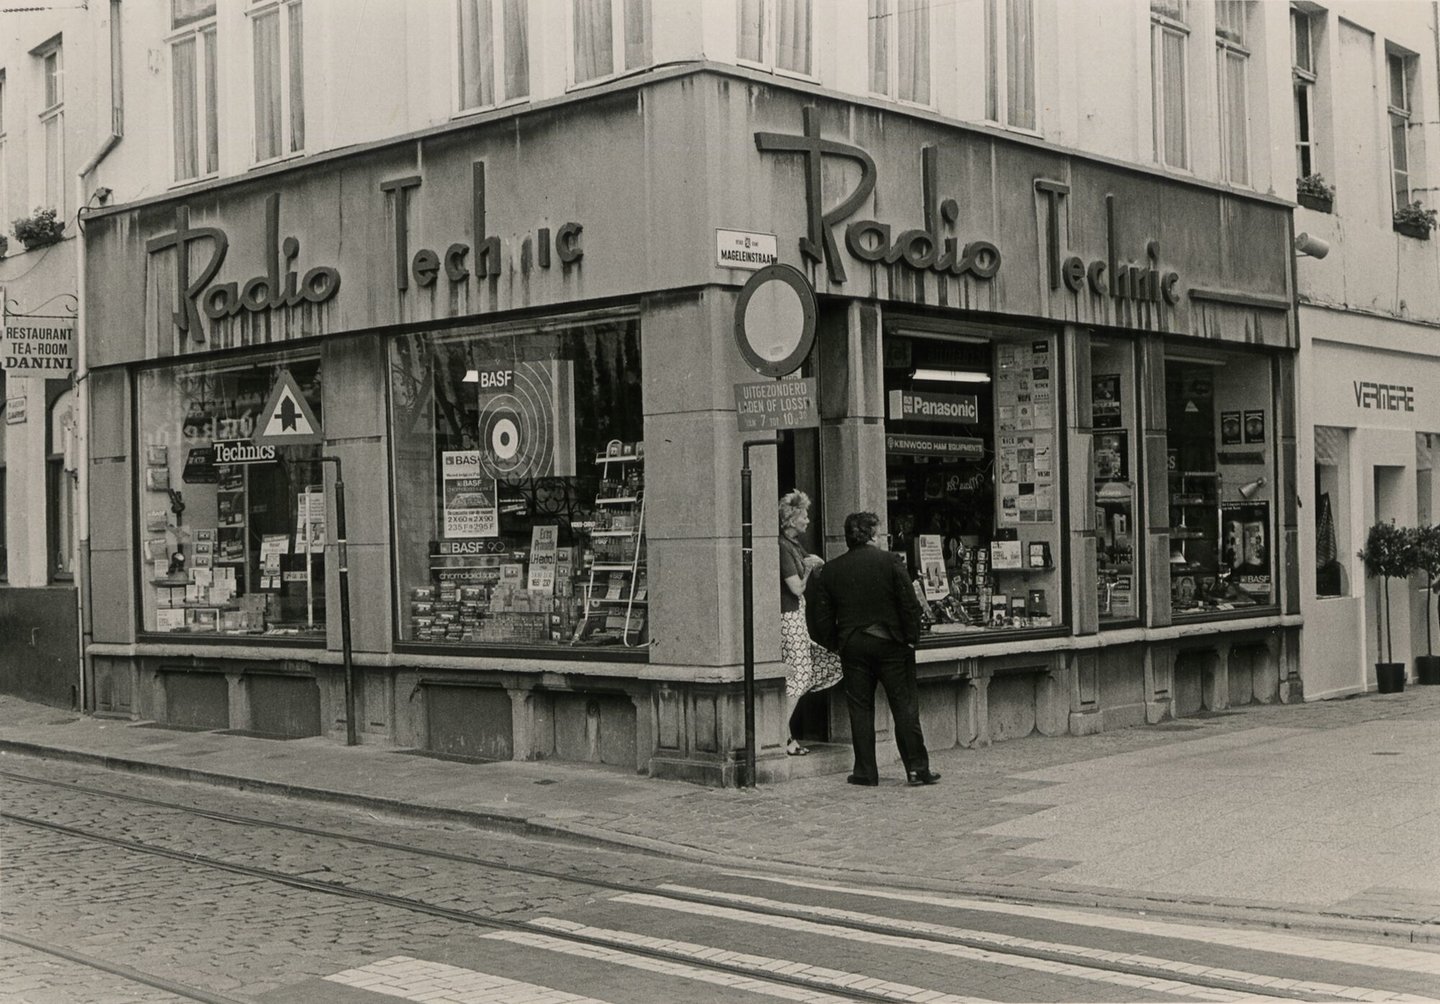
1056, 954
118, 969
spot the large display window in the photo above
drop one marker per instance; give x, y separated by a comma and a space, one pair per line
1219, 463
231, 535
973, 475
519, 485
1114, 443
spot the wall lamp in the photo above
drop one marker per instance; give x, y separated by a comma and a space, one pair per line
1251, 488
1310, 247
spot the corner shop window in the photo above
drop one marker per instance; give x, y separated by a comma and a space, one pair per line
1114, 443
519, 468
234, 548
972, 476
1219, 463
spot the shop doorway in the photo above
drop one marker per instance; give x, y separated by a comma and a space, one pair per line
797, 466
1389, 503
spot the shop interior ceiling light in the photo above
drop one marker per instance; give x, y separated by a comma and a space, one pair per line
950, 376
471, 376
1175, 357
1176, 558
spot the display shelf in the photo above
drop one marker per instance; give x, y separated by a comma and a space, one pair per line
596, 625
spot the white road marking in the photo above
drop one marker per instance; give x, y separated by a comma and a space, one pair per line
758, 964
418, 980
1380, 956
1156, 984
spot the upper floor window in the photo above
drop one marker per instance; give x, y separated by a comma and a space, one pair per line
611, 37
1400, 70
278, 31
1302, 72
52, 122
1169, 34
193, 101
777, 34
1232, 60
494, 56
1010, 62
900, 49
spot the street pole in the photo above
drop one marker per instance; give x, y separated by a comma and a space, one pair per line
344, 555
747, 578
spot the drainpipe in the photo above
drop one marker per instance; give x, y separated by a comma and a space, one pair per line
83, 593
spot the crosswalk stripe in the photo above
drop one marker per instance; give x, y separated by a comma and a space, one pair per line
1378, 956
1168, 986
1259, 981
417, 980
758, 964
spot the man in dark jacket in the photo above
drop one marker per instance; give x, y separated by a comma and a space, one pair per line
870, 615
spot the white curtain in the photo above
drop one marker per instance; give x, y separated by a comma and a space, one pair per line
182, 87
517, 48
792, 35
297, 78
1020, 62
267, 86
912, 55
477, 57
880, 46
750, 41
1235, 117
637, 34
594, 51
212, 105
1170, 101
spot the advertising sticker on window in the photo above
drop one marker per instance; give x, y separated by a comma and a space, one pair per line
469, 497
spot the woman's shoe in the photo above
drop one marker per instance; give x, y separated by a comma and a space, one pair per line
792, 748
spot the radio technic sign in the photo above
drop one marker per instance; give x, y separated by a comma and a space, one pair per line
909, 405
242, 451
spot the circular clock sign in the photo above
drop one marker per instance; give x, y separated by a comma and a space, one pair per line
775, 320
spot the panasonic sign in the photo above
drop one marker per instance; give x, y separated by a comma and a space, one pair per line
909, 405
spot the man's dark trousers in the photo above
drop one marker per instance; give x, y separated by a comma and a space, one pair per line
868, 659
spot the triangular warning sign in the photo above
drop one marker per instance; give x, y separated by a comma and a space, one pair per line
286, 419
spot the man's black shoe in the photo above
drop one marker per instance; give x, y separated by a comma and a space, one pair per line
923, 777
857, 779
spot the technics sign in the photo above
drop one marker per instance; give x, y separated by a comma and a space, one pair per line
1109, 276
963, 409
242, 451
924, 249
427, 265
776, 404
39, 346
281, 286
1383, 396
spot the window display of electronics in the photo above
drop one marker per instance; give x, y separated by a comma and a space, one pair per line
203, 578
974, 501
1194, 539
592, 592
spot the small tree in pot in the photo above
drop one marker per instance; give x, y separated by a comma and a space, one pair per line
1427, 560
1389, 553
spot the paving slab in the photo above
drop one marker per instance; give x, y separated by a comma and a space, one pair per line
1328, 810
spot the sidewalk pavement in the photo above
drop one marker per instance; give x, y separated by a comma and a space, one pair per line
1324, 815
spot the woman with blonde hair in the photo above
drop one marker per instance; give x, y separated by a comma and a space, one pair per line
808, 666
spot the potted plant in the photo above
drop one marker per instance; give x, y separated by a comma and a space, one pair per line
1312, 192
4, 245
1389, 553
1427, 560
1415, 221
39, 229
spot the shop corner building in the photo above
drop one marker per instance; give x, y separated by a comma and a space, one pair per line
1071, 379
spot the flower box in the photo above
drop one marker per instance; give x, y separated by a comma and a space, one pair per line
1319, 203
1417, 230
